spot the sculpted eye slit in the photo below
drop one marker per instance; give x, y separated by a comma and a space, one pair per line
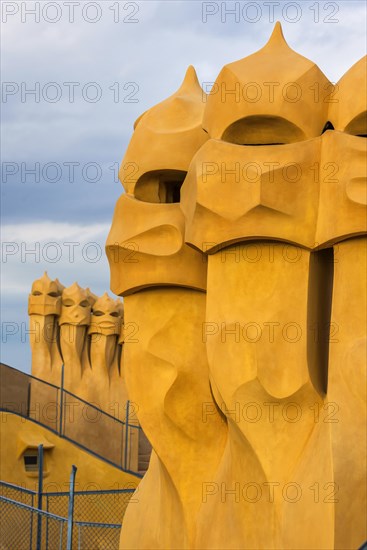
160, 186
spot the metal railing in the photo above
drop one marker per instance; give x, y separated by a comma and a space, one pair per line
73, 418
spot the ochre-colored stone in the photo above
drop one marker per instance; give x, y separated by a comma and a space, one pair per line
172, 126
266, 98
347, 391
240, 249
146, 247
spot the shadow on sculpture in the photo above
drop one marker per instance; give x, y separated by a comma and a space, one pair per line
239, 247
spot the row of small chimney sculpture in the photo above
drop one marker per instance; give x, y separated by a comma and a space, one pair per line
74, 328
76, 306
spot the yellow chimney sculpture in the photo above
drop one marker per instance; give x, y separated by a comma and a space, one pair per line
239, 247
44, 307
75, 329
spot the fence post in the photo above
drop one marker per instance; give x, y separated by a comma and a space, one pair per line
28, 400
40, 490
126, 432
61, 400
69, 542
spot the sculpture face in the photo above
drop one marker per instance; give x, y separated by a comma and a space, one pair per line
250, 192
76, 308
344, 171
105, 318
264, 175
261, 176
45, 297
148, 225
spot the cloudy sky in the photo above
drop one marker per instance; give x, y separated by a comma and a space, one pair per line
93, 68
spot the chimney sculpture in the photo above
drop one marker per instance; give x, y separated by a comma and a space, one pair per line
44, 306
163, 282
240, 249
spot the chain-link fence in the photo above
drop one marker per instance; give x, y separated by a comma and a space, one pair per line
96, 519
88, 536
93, 506
23, 527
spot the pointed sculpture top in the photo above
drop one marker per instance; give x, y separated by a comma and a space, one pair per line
348, 108
276, 37
274, 83
106, 304
75, 292
91, 297
190, 83
44, 285
180, 111
60, 286
279, 60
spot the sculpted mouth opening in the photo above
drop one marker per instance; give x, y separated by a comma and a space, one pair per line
107, 325
160, 186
